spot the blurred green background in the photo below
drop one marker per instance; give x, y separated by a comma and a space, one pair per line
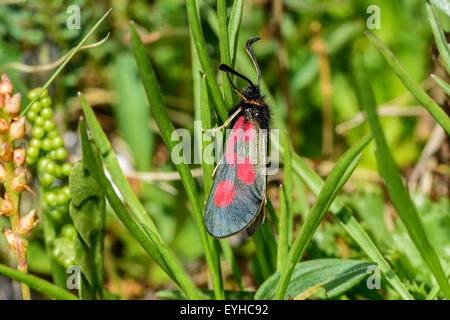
35, 33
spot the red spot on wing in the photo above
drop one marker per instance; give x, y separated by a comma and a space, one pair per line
230, 155
249, 132
224, 194
245, 171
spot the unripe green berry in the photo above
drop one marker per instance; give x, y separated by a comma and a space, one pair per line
52, 154
58, 171
50, 197
50, 168
46, 101
43, 163
49, 125
31, 115
47, 179
35, 143
36, 107
69, 261
30, 160
53, 134
47, 113
38, 132
68, 231
61, 198
32, 152
57, 142
56, 252
55, 214
61, 153
39, 121
47, 144
32, 93
66, 169
66, 191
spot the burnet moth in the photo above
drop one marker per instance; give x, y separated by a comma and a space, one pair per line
238, 194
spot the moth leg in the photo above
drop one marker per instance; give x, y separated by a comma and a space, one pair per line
225, 124
215, 169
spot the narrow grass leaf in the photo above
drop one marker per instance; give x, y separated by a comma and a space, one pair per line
224, 50
444, 85
392, 179
283, 231
37, 284
234, 26
288, 186
439, 36
205, 62
422, 97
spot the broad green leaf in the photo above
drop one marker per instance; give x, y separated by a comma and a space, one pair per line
334, 275
88, 203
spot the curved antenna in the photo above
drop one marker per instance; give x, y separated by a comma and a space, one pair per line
227, 68
252, 56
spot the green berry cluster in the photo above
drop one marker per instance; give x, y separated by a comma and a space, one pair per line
57, 202
46, 150
46, 139
64, 252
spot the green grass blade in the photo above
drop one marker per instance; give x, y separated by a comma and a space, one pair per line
439, 36
61, 67
393, 181
166, 128
272, 214
233, 27
153, 246
444, 85
335, 181
208, 168
283, 232
288, 188
113, 167
422, 97
224, 50
205, 62
132, 107
37, 284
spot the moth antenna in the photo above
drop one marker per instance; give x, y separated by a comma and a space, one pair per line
252, 56
229, 69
